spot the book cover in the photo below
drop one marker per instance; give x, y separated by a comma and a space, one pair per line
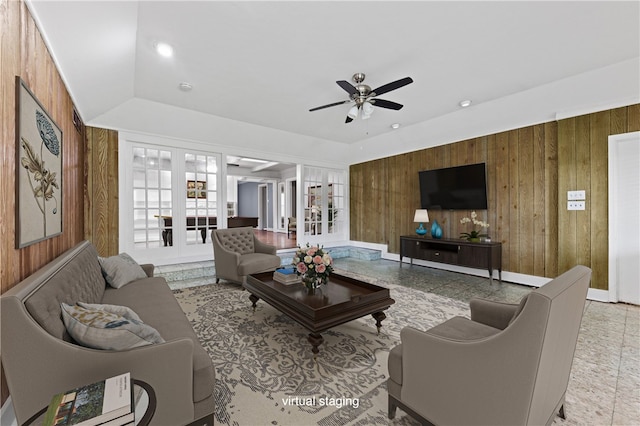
92, 404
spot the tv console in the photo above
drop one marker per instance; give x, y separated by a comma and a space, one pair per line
486, 255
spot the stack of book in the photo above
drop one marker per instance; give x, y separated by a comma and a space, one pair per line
107, 402
286, 276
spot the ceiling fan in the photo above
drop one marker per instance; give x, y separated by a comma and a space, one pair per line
365, 98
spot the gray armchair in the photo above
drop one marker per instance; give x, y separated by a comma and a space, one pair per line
507, 365
238, 253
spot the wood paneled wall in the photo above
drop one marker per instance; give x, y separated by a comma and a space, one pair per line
24, 54
529, 172
101, 198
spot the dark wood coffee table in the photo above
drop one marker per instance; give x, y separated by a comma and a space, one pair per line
343, 299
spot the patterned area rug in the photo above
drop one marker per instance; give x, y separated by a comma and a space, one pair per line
266, 373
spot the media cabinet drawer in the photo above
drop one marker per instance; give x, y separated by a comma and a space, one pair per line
487, 256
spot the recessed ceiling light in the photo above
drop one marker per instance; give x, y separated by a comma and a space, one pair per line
164, 49
185, 87
465, 103
395, 126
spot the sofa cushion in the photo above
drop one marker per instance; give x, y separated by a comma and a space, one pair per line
79, 280
120, 270
154, 302
460, 328
107, 327
253, 263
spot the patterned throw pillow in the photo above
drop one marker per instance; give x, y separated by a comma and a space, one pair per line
107, 326
121, 270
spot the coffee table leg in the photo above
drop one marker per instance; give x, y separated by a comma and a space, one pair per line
379, 317
254, 299
316, 340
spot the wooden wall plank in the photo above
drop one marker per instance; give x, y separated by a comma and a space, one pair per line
583, 182
598, 199
633, 118
525, 199
513, 219
538, 202
503, 206
566, 182
551, 199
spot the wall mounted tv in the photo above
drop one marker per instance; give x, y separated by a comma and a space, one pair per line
454, 188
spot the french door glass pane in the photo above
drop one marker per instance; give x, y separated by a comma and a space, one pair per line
151, 192
201, 205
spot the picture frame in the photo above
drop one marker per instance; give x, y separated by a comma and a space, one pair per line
197, 189
39, 173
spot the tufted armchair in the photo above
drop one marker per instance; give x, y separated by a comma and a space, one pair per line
507, 365
238, 253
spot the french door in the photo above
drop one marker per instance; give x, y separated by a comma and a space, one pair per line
170, 202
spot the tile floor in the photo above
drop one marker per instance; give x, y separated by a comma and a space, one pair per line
604, 388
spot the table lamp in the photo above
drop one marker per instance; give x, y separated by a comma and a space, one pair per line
421, 216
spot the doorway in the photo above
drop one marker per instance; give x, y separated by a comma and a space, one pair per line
624, 229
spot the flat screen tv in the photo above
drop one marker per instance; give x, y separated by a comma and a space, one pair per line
454, 188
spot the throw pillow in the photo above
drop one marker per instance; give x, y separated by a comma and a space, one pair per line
121, 270
106, 328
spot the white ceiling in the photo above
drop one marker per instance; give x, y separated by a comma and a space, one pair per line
267, 63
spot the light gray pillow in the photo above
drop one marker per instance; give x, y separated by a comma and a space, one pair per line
121, 270
107, 326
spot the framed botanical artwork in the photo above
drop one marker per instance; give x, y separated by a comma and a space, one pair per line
38, 170
196, 189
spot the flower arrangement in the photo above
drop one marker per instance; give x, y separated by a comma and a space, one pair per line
313, 264
474, 235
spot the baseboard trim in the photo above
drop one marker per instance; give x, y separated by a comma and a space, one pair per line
594, 294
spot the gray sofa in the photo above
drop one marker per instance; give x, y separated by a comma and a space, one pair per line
40, 359
507, 365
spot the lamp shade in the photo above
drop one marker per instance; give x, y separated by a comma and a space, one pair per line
367, 110
353, 112
421, 216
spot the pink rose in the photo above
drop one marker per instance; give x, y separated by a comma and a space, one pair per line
317, 260
312, 251
321, 268
301, 268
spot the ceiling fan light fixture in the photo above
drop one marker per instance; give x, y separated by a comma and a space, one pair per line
353, 112
367, 110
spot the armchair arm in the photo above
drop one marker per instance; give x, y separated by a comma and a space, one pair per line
494, 314
260, 247
38, 365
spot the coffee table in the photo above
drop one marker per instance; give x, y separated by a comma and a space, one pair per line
341, 300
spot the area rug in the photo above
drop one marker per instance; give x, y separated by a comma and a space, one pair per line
266, 373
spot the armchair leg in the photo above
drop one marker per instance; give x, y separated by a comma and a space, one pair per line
561, 413
392, 408
217, 280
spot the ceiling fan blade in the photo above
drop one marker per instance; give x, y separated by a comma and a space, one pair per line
348, 120
393, 86
330, 105
348, 87
386, 104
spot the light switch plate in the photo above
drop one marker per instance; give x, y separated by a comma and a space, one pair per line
576, 195
575, 205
